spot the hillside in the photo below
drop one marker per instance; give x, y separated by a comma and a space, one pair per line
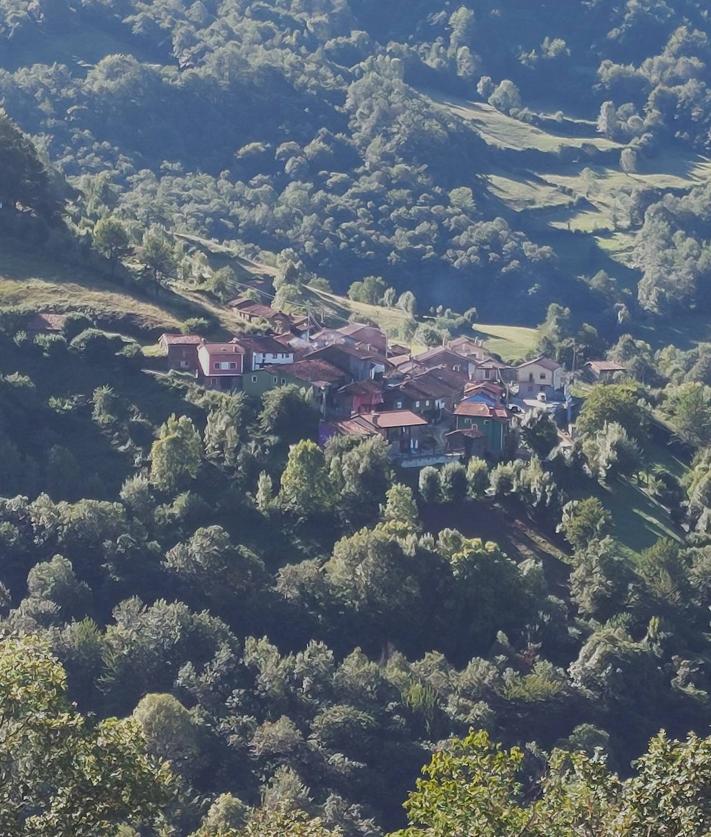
38, 282
399, 144
348, 574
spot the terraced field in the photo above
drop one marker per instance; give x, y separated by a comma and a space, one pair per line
504, 131
568, 178
35, 283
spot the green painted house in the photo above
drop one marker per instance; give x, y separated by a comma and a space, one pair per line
321, 378
256, 383
493, 423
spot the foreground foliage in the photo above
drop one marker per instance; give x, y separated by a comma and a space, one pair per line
477, 788
60, 774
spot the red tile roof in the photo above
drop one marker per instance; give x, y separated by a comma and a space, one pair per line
440, 380
222, 349
465, 344
441, 355
456, 380
368, 424
477, 409
606, 366
314, 371
545, 362
424, 386
46, 321
212, 352
394, 418
491, 363
355, 426
399, 360
354, 350
353, 329
263, 343
257, 309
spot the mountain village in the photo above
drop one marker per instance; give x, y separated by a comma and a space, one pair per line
451, 401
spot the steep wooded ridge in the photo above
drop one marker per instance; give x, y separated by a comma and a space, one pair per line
220, 617
468, 153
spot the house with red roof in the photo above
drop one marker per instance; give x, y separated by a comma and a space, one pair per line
491, 369
542, 374
488, 392
221, 365
368, 337
359, 397
403, 430
605, 370
428, 393
441, 356
322, 377
469, 347
358, 362
492, 422
254, 312
181, 351
45, 322
318, 372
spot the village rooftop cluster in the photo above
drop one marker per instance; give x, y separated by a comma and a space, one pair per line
452, 400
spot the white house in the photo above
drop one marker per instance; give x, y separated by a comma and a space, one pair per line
264, 350
542, 374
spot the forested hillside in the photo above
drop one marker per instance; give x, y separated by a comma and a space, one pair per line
219, 620
379, 141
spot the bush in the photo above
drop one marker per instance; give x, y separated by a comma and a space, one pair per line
502, 479
428, 335
477, 477
584, 521
74, 324
453, 482
52, 345
132, 355
429, 485
96, 346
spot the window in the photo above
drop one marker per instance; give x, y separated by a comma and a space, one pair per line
530, 376
487, 372
398, 405
274, 378
543, 376
283, 381
254, 379
427, 403
184, 364
417, 403
233, 366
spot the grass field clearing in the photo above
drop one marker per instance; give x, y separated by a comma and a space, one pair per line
503, 131
33, 282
